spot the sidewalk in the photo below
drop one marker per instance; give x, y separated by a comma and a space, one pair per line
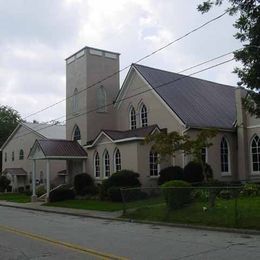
38, 206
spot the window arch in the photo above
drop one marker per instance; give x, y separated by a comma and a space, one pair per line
224, 156
21, 154
154, 163
101, 99
132, 118
117, 160
106, 163
96, 165
76, 134
75, 100
255, 153
143, 115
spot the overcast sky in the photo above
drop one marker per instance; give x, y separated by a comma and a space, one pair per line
37, 35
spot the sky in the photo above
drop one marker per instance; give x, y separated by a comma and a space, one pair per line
37, 35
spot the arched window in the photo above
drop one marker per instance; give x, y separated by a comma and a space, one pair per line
76, 135
204, 154
117, 161
101, 99
12, 156
154, 163
224, 155
5, 157
75, 101
97, 165
21, 155
132, 118
255, 153
106, 163
143, 116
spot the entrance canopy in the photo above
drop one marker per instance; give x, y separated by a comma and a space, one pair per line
55, 149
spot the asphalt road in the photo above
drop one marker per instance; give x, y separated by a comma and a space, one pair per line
26, 234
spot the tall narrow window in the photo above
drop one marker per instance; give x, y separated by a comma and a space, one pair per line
143, 116
224, 155
76, 135
154, 163
132, 118
75, 100
101, 99
21, 155
5, 157
106, 164
204, 155
117, 161
12, 156
255, 154
97, 165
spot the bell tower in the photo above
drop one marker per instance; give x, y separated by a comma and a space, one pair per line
91, 87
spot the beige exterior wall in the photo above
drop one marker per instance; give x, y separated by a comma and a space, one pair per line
24, 139
158, 112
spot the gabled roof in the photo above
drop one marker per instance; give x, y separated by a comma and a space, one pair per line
60, 149
196, 102
15, 171
124, 136
41, 130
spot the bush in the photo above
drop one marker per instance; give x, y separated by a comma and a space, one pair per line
84, 184
169, 174
174, 195
40, 191
121, 179
61, 194
193, 172
20, 189
251, 189
9, 188
4, 183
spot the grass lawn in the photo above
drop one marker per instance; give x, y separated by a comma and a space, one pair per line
222, 215
100, 205
15, 197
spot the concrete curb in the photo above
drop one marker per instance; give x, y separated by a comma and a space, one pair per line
177, 225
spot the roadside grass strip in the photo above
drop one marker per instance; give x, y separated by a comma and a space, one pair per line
74, 247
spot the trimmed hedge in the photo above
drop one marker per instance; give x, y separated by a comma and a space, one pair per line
121, 179
169, 174
61, 194
174, 195
84, 184
193, 172
4, 183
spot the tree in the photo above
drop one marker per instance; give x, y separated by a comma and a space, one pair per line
9, 119
167, 144
248, 26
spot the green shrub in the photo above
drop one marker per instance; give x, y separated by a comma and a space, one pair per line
114, 194
20, 189
169, 174
176, 193
9, 188
40, 191
61, 194
4, 183
193, 172
121, 179
84, 184
251, 189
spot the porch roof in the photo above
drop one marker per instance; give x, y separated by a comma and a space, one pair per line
15, 171
57, 149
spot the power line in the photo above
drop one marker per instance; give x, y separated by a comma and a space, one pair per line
137, 94
128, 66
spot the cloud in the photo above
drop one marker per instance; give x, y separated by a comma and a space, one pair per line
36, 37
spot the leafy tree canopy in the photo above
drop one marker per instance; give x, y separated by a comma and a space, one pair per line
248, 32
9, 119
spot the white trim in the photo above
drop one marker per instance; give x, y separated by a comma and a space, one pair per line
253, 126
104, 164
252, 172
229, 172
100, 134
95, 169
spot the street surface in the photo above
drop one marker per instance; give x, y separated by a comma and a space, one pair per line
26, 234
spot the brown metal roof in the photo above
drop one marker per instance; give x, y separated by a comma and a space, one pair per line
119, 135
15, 171
61, 148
